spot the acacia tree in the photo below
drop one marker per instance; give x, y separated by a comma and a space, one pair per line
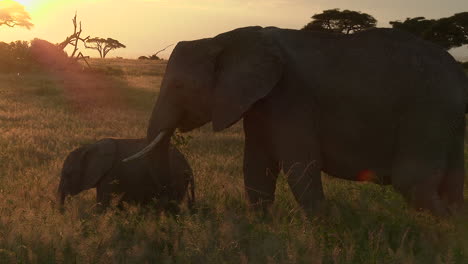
447, 32
416, 25
461, 21
103, 46
13, 14
346, 21
73, 40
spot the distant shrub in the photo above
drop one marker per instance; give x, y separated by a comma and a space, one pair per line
49, 56
24, 56
20, 49
114, 71
15, 57
180, 140
152, 57
107, 70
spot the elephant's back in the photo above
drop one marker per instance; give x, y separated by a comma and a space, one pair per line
361, 85
374, 66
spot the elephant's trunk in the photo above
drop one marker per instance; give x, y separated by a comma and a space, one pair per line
164, 120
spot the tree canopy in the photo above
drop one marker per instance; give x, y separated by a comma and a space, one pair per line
447, 32
346, 21
103, 46
417, 25
13, 14
461, 21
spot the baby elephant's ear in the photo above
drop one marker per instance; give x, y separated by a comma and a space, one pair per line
97, 160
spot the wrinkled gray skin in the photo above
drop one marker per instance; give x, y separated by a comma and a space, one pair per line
379, 105
100, 166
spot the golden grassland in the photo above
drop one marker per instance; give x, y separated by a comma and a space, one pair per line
43, 116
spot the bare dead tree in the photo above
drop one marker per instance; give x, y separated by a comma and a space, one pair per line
84, 58
156, 54
73, 40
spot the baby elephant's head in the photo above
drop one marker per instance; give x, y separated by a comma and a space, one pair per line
84, 167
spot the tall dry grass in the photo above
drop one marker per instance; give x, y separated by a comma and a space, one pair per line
44, 116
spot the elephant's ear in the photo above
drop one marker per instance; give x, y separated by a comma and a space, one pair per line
248, 69
97, 161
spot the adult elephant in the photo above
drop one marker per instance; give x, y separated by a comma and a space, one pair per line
379, 105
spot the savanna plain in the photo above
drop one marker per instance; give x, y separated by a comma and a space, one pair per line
45, 115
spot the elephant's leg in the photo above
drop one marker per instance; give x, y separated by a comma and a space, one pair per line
305, 181
421, 159
451, 187
103, 196
260, 174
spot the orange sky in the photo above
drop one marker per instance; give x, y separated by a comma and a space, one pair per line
146, 26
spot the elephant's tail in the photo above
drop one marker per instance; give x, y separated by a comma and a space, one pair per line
61, 198
466, 96
191, 192
465, 82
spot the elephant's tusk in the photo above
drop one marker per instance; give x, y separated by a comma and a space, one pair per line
148, 148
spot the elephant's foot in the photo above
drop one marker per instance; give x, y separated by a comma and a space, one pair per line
260, 201
452, 186
257, 201
260, 174
260, 208
317, 209
453, 206
423, 200
305, 181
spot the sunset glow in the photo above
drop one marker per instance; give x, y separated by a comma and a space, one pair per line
25, 3
146, 26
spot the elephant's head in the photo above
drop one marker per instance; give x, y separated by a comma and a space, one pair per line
216, 79
85, 166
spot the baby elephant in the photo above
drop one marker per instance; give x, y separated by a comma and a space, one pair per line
100, 166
